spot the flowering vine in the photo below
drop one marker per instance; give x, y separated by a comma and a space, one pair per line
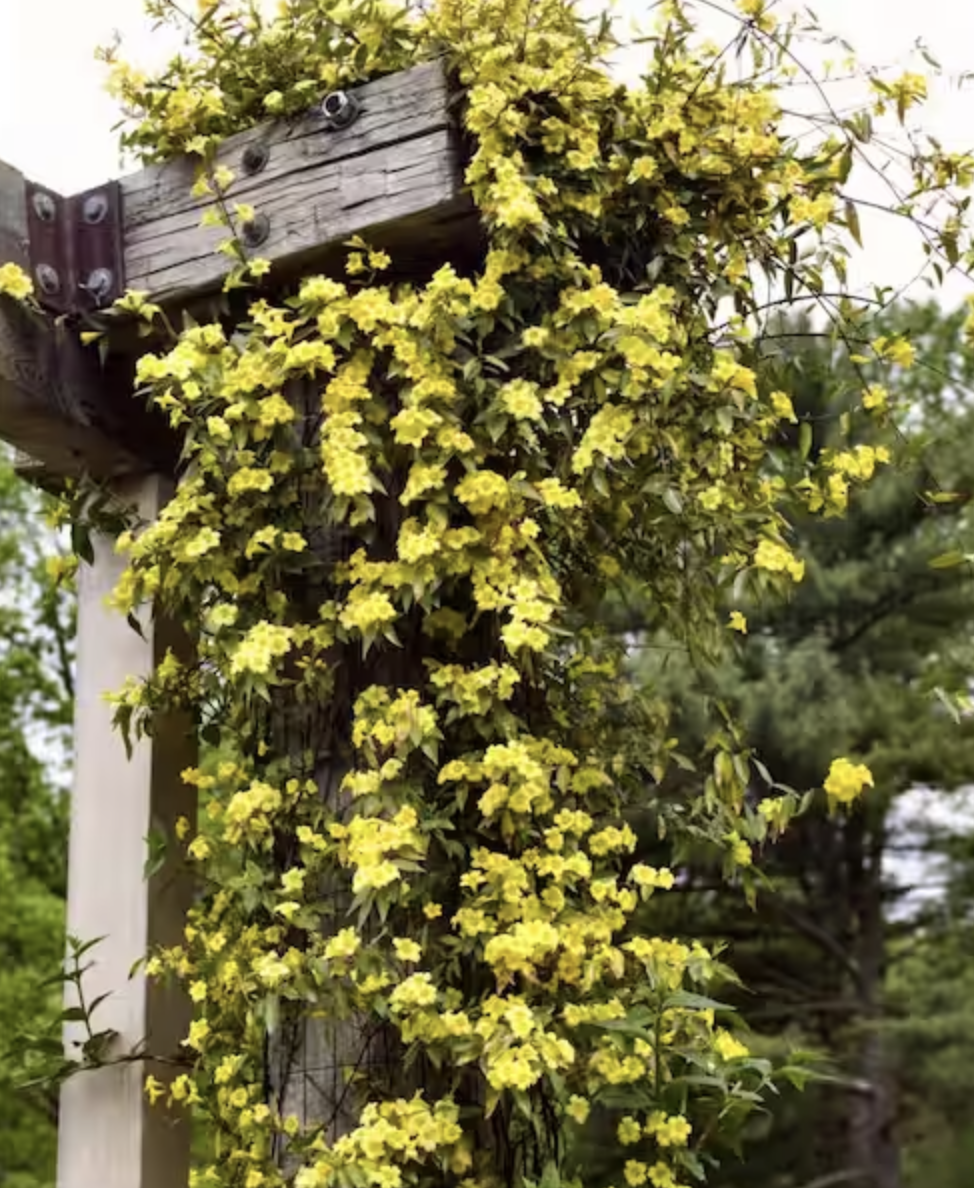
402, 502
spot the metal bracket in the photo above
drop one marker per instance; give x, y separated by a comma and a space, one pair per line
75, 247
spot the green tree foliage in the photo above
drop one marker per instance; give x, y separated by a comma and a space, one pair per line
931, 999
36, 630
853, 660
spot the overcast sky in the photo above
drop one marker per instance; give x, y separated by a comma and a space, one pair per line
56, 122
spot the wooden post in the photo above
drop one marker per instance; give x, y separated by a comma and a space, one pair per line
110, 1137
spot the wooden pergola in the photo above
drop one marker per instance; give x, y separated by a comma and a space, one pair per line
384, 161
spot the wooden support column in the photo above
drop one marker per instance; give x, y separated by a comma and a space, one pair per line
110, 1137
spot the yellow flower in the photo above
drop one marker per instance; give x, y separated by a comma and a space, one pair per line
406, 950
636, 1173
199, 1029
416, 991
345, 943
737, 622
649, 876
727, 1047
739, 848
669, 1132
520, 399
556, 495
199, 848
629, 1131
781, 403
205, 541
578, 1110
846, 780
14, 282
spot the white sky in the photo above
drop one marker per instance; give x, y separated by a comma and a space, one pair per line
55, 121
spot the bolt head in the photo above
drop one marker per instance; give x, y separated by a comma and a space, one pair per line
339, 109
95, 208
99, 284
255, 158
48, 279
256, 230
44, 206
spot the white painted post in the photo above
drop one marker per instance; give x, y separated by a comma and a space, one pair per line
109, 1136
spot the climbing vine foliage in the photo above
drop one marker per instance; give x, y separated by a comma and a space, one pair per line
402, 504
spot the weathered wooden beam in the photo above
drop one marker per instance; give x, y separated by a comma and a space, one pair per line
394, 172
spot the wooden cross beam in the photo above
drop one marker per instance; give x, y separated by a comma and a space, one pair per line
393, 171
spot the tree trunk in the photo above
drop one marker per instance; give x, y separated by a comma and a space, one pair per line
873, 1147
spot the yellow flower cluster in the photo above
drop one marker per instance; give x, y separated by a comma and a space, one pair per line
389, 1138
847, 780
263, 644
776, 558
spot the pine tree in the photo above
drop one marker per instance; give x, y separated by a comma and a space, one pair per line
854, 660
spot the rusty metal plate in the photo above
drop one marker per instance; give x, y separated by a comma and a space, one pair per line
49, 261
76, 247
95, 225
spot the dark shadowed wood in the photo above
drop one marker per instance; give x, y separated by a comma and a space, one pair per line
394, 173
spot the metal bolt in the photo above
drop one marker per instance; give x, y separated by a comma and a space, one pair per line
255, 157
48, 279
256, 230
100, 283
44, 207
95, 208
339, 109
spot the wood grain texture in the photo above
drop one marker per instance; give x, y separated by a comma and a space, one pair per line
394, 174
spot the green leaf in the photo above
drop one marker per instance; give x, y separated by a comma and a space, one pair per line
852, 222
685, 1000
673, 502
948, 560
